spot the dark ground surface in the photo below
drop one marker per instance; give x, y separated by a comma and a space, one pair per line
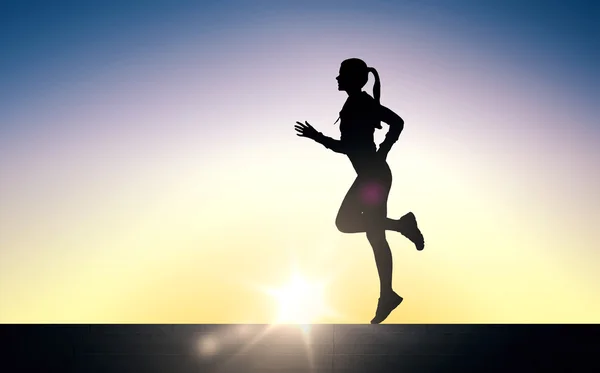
319, 349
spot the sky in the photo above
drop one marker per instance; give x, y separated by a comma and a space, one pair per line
149, 170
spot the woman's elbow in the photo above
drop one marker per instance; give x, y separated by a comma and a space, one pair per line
397, 125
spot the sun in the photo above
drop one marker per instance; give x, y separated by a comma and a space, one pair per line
300, 301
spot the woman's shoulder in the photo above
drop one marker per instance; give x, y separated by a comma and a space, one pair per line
365, 96
361, 101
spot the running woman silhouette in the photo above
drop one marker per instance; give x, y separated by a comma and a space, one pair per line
364, 209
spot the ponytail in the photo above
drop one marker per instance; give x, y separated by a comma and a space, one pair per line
376, 92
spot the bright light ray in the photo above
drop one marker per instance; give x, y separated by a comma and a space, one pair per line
301, 301
267, 330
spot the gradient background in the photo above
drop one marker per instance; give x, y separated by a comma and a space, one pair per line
149, 170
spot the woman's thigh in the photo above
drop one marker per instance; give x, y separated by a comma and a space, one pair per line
367, 195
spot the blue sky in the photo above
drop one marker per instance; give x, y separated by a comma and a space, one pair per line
45, 42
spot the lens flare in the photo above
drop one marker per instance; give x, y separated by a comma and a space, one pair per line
300, 301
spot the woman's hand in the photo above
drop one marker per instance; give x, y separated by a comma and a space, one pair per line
306, 130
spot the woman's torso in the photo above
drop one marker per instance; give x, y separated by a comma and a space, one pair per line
358, 121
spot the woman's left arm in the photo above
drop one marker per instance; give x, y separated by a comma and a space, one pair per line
396, 126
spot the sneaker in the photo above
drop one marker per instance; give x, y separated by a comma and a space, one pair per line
385, 306
410, 230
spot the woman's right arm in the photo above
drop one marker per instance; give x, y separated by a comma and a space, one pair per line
306, 130
396, 126
329, 143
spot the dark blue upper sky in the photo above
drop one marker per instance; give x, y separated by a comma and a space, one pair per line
45, 42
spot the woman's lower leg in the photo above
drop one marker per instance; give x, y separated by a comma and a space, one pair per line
383, 260
357, 223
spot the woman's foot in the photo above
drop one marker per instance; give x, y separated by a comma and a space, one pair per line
385, 306
407, 225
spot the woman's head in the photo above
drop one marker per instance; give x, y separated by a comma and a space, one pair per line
354, 74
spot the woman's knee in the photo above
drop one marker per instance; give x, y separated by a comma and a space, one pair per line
343, 224
350, 221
